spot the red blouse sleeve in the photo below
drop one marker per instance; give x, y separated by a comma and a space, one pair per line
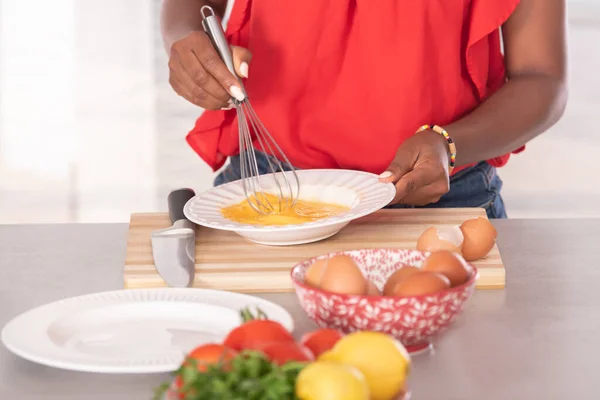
485, 19
485, 63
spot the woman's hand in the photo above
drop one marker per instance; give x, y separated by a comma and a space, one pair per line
420, 170
197, 73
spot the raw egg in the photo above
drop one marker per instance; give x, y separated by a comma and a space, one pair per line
423, 282
372, 289
314, 273
396, 277
302, 211
444, 238
343, 276
449, 264
479, 238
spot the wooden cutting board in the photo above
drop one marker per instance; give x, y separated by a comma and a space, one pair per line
226, 261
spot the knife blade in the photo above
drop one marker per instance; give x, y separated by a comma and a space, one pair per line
174, 248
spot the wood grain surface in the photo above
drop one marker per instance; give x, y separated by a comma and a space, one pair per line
226, 261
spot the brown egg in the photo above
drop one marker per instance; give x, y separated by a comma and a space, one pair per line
372, 289
314, 273
449, 264
444, 238
480, 238
423, 282
396, 277
343, 276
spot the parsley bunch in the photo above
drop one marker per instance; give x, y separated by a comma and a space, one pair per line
249, 376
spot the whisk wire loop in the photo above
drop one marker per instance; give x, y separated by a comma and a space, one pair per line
282, 174
286, 184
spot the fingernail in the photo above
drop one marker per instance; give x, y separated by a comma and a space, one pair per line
227, 108
237, 93
244, 69
386, 174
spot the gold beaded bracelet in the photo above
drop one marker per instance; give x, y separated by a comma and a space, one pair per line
451, 146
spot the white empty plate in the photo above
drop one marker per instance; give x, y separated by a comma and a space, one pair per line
130, 331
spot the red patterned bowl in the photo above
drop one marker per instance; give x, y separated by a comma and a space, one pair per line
412, 320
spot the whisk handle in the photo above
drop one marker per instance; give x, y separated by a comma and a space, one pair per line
212, 27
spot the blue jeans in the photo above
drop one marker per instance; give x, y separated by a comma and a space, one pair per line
478, 186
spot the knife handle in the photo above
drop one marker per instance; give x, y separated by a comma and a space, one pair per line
176, 201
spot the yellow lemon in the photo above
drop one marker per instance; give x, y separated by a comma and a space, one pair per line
326, 380
328, 356
383, 360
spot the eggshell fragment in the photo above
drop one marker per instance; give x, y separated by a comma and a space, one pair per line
424, 282
343, 276
314, 273
444, 238
479, 238
449, 264
397, 277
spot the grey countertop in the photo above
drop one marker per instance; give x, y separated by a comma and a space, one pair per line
537, 339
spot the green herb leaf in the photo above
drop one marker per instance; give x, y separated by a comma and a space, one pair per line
249, 376
247, 315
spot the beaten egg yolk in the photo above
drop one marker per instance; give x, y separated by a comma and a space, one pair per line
303, 211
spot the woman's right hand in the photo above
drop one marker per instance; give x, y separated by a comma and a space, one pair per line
197, 73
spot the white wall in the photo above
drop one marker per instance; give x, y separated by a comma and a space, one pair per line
554, 176
37, 109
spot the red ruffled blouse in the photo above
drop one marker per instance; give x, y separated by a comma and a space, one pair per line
342, 83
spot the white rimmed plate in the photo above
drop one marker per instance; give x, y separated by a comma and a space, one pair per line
361, 191
130, 331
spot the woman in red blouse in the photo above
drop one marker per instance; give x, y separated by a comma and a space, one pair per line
347, 83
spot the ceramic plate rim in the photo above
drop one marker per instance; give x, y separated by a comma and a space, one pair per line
10, 337
338, 219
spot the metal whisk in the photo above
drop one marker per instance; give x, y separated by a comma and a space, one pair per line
283, 175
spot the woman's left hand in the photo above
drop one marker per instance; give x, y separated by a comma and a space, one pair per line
419, 170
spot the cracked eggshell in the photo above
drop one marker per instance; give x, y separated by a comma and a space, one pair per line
444, 238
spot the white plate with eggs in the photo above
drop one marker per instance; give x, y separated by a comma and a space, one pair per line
361, 192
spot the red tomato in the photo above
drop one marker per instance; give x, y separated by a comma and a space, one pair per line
283, 352
321, 340
253, 334
205, 355
212, 353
